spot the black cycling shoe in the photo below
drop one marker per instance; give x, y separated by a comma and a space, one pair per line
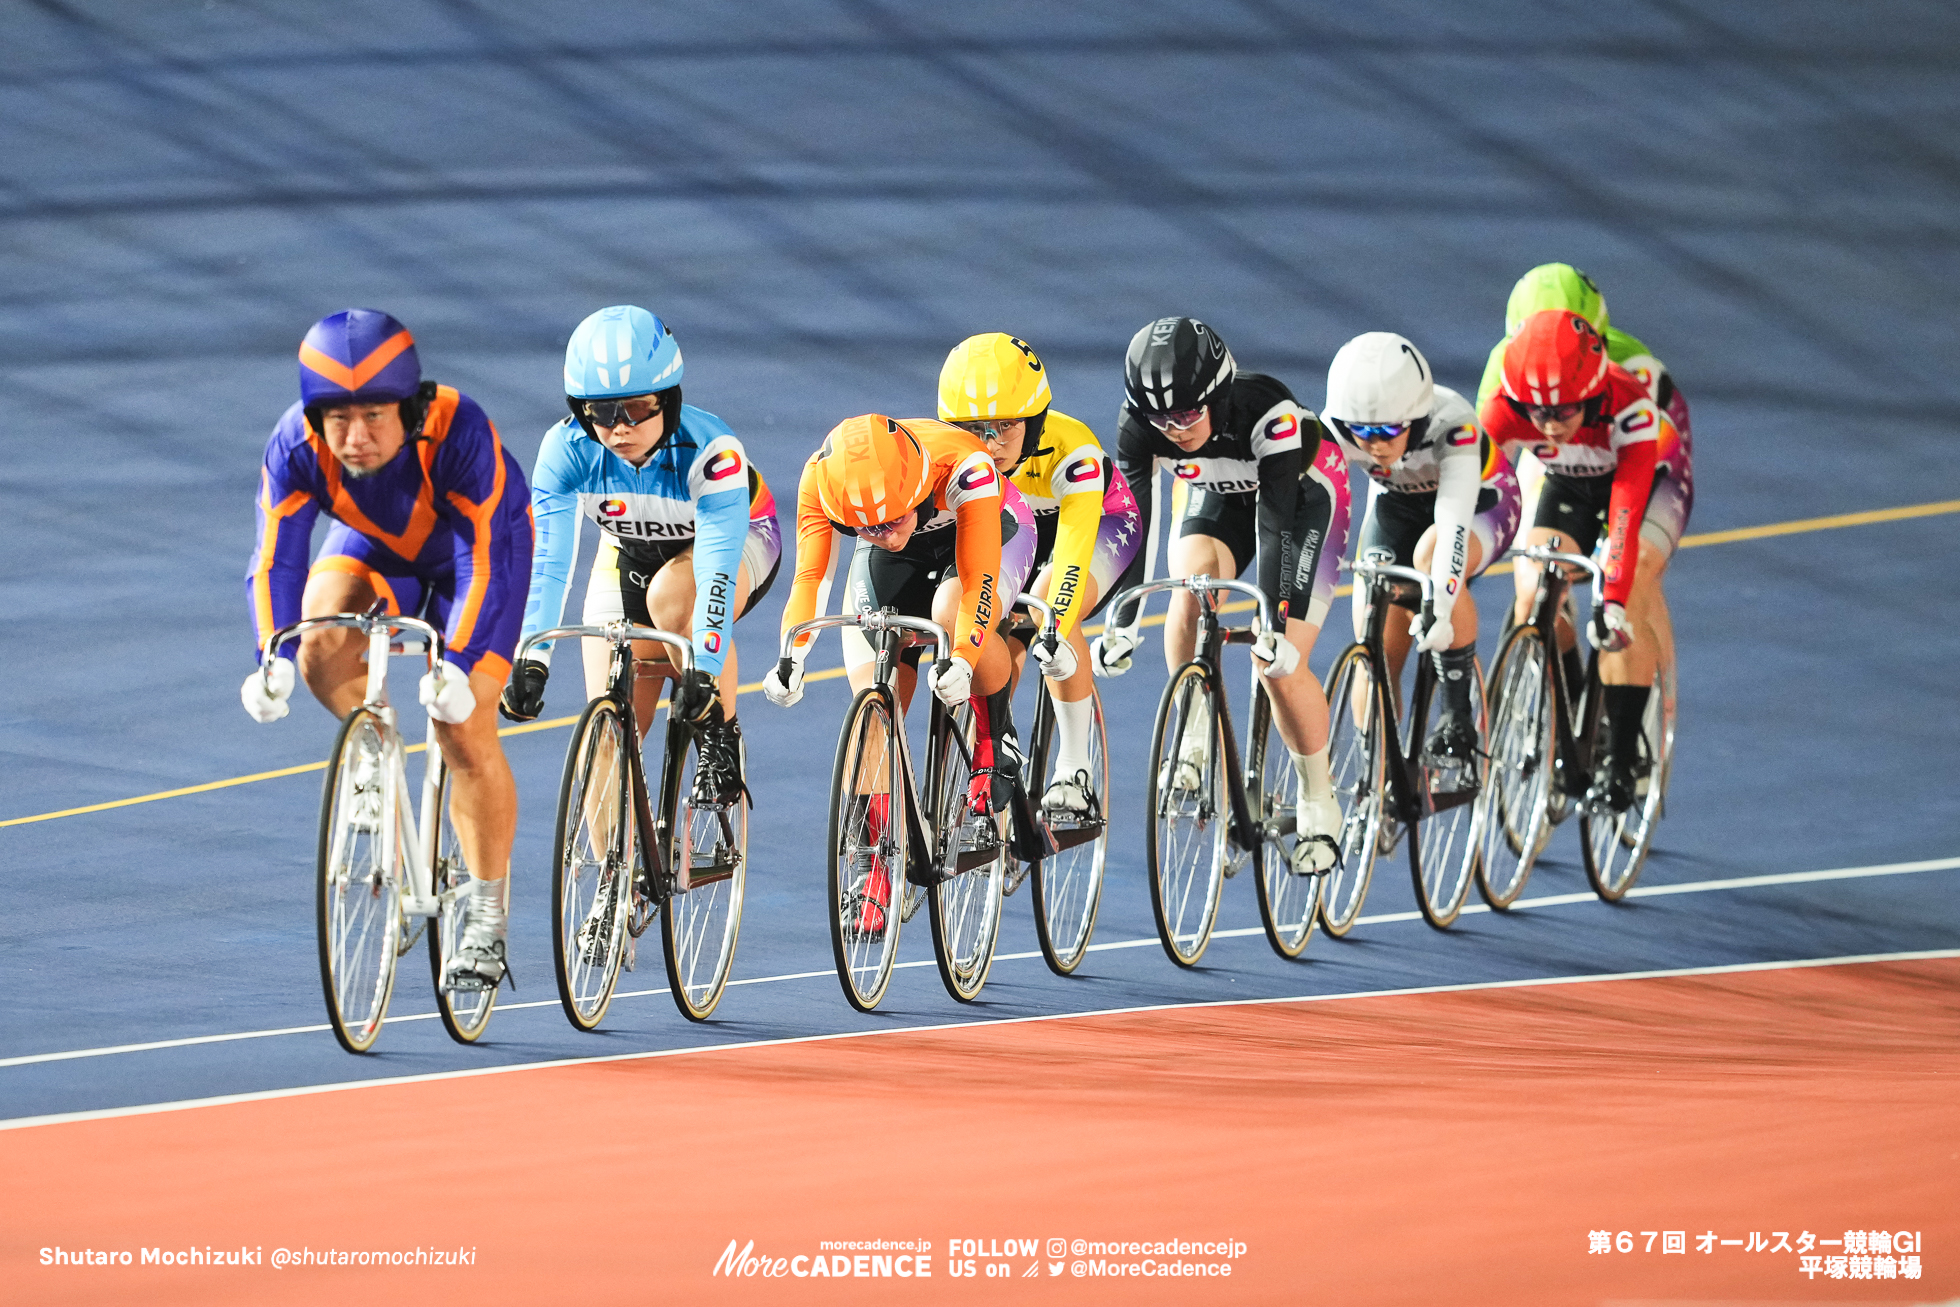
1613, 787
1454, 739
718, 771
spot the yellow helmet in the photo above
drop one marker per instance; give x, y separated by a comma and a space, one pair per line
992, 376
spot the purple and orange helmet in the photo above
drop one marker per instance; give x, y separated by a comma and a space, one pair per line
358, 356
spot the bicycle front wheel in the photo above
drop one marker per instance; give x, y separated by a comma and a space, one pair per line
868, 849
1190, 817
1287, 902
1617, 844
1443, 856
358, 906
707, 850
465, 1013
966, 905
597, 856
1068, 886
1354, 759
1517, 793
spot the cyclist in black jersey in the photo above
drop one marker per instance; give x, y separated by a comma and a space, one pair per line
1259, 481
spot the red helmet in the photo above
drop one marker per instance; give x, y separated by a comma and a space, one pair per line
1556, 358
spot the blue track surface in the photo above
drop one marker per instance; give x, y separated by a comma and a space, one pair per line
821, 202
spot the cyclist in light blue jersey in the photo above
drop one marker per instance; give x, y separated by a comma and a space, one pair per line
690, 540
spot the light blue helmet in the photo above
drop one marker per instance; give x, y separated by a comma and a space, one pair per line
623, 350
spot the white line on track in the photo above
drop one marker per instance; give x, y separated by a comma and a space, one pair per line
268, 1095
1384, 918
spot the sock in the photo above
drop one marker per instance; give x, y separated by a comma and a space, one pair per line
488, 902
1073, 724
1625, 706
1455, 670
1316, 781
878, 809
993, 719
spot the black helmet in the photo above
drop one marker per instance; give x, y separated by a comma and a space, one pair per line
1175, 364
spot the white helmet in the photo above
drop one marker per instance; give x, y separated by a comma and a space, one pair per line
1379, 377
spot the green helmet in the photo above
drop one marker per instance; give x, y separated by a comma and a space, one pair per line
1555, 286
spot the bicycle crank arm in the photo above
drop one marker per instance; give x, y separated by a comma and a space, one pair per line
1068, 837
424, 905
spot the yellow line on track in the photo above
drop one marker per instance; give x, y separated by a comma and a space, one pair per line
1738, 534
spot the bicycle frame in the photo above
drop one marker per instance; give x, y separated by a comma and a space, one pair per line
412, 842
886, 630
1572, 738
1413, 802
620, 679
1213, 635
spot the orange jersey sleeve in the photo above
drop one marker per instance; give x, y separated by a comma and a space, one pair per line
815, 543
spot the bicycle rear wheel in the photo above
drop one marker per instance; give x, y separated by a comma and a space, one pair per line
1190, 818
1354, 757
1287, 903
709, 847
1068, 887
596, 859
1517, 794
868, 849
465, 1013
1617, 845
358, 904
966, 907
1443, 856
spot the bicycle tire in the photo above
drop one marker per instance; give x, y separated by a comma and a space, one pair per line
1288, 904
1616, 849
1355, 758
1517, 795
700, 923
357, 904
1443, 855
966, 906
865, 957
465, 1013
595, 859
1068, 886
1185, 839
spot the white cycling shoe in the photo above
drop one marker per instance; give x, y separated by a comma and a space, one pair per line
479, 960
1317, 842
1071, 794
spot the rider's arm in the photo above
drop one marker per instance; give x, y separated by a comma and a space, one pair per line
1076, 482
1459, 477
814, 542
554, 507
976, 552
1634, 431
719, 485
1280, 447
275, 579
1139, 464
473, 477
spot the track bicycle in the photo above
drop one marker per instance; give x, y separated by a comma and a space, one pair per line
618, 861
1385, 779
387, 869
1068, 878
1547, 736
1208, 817
885, 831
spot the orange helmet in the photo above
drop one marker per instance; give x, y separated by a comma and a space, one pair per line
1556, 358
870, 471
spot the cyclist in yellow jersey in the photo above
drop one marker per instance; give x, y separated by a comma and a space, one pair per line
1086, 521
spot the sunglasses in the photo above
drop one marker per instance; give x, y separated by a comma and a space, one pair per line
1553, 412
1374, 431
1182, 420
995, 431
880, 531
622, 412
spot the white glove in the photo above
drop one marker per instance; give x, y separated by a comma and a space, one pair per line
954, 686
268, 704
446, 693
1057, 664
1434, 638
1611, 632
1275, 654
783, 692
1109, 653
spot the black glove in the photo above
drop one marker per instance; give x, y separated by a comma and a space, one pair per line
696, 697
523, 697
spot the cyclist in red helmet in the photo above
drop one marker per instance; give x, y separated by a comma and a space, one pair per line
1614, 464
